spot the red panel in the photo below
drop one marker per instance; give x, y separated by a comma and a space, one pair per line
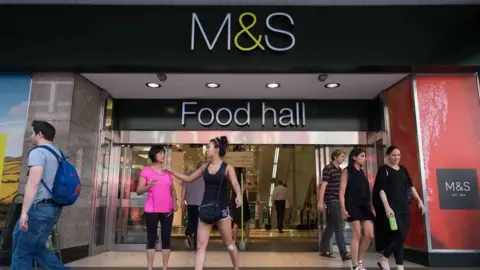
450, 127
403, 135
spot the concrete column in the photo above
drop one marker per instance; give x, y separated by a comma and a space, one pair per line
73, 105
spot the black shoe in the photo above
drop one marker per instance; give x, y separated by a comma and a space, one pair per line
280, 231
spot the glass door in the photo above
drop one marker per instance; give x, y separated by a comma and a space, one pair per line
101, 197
130, 228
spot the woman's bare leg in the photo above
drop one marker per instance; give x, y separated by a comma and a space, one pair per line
247, 230
355, 243
367, 237
235, 233
203, 234
224, 226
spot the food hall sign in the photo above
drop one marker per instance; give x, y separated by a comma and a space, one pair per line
283, 117
247, 22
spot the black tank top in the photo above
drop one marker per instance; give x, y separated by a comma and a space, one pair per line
357, 192
212, 186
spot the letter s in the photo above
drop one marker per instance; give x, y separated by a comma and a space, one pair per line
466, 186
276, 30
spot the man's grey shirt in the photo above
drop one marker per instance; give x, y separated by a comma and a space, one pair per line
42, 157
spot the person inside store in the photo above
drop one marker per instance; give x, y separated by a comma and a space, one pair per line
356, 205
192, 195
393, 191
160, 204
237, 212
214, 207
329, 198
279, 200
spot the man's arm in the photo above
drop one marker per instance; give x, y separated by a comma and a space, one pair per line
36, 162
326, 177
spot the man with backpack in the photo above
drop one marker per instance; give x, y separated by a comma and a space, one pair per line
52, 183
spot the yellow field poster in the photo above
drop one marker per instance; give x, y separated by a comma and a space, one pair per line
3, 149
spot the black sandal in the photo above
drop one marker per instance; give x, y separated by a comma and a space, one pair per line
327, 255
347, 257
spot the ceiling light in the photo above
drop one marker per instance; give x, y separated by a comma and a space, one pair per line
212, 85
273, 85
332, 85
153, 85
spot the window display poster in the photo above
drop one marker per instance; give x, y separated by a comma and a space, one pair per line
14, 98
449, 112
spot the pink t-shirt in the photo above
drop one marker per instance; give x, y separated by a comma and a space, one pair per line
159, 198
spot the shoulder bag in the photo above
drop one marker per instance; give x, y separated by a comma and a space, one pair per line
212, 212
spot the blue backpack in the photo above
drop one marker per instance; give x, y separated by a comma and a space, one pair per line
66, 188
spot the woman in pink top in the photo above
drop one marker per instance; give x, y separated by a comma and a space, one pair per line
160, 204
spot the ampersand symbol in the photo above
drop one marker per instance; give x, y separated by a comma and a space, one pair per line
459, 186
246, 30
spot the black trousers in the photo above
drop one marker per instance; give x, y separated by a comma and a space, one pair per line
166, 221
397, 239
191, 230
280, 207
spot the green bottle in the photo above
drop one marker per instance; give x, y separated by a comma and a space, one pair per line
393, 223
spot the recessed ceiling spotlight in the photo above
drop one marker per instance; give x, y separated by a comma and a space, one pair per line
153, 85
273, 85
212, 85
332, 85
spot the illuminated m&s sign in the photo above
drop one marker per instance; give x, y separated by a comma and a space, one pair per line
258, 41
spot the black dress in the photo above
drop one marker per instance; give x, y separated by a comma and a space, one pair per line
395, 184
237, 212
357, 196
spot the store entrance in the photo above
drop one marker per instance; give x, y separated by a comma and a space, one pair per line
262, 167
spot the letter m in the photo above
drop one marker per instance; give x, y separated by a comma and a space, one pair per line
195, 21
450, 186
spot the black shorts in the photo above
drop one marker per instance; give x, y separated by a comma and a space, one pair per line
359, 213
225, 213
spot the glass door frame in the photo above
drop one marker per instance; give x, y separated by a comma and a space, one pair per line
102, 180
124, 154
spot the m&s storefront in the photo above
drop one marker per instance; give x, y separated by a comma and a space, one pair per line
431, 114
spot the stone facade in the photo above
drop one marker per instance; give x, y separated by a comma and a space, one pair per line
73, 105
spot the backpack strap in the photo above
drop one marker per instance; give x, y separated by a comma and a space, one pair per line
49, 149
59, 159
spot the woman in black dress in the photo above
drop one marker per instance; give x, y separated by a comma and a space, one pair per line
356, 206
237, 212
392, 192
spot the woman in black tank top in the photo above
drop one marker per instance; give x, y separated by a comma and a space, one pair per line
215, 174
355, 201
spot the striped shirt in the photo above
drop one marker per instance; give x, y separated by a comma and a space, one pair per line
331, 174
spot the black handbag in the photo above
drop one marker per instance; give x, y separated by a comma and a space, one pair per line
210, 213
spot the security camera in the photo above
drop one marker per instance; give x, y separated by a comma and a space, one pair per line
322, 77
162, 77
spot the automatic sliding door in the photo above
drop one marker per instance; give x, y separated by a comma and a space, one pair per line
101, 197
130, 225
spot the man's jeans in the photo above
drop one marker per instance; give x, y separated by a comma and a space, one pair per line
334, 225
29, 246
192, 226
